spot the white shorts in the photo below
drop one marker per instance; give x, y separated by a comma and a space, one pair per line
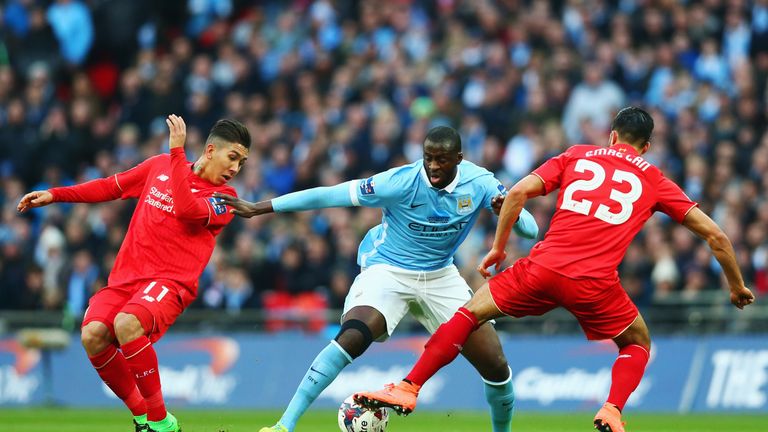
432, 297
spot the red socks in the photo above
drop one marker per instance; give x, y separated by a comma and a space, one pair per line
142, 360
443, 347
114, 371
626, 374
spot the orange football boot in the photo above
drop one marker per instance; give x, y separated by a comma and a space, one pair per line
608, 419
400, 397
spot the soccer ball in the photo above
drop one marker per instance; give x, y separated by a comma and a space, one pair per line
354, 418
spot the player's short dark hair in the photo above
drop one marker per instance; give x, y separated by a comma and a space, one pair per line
634, 125
230, 131
445, 135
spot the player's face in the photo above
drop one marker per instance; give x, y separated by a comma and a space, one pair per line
440, 163
224, 161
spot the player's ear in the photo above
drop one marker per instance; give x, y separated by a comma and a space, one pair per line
460, 157
210, 148
613, 138
646, 147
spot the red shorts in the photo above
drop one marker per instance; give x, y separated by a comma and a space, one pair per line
603, 308
156, 303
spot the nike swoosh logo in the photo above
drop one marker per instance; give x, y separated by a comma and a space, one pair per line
317, 371
417, 205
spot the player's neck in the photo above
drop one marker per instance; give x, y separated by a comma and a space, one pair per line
199, 169
619, 143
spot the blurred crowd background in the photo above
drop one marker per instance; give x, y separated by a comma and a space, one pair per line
338, 89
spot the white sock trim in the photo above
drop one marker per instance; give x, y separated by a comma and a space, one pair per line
498, 384
648, 353
134, 354
106, 362
336, 344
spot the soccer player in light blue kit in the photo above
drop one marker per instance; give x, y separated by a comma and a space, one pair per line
428, 209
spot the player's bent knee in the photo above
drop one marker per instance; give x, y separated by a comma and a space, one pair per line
355, 337
95, 336
497, 369
635, 335
128, 327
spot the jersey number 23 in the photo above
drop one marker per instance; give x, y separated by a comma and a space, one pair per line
603, 212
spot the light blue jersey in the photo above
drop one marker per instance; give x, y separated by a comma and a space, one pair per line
422, 226
420, 230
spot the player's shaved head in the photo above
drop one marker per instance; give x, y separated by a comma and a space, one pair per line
634, 126
442, 155
445, 136
228, 131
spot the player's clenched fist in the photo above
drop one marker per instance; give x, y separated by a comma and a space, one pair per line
742, 296
34, 199
178, 131
496, 203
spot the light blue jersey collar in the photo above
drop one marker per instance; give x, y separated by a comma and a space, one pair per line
450, 187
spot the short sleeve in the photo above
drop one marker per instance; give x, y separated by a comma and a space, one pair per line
380, 190
672, 201
551, 171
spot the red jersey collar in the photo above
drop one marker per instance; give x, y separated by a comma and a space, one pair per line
621, 147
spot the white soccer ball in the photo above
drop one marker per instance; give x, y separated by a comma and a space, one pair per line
354, 418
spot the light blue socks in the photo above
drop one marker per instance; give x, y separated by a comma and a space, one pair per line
325, 368
501, 398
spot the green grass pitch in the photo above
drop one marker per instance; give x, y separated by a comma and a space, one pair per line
111, 420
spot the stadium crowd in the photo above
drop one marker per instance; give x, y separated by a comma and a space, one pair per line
339, 89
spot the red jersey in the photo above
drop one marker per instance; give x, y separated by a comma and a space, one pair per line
606, 195
173, 228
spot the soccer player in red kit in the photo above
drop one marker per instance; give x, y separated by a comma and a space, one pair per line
606, 195
168, 244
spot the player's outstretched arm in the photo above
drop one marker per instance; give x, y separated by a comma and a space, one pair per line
244, 208
98, 190
701, 224
309, 199
528, 187
34, 199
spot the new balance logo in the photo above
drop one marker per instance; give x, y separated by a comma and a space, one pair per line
162, 177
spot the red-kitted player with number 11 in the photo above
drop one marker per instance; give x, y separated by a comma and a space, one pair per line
168, 244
